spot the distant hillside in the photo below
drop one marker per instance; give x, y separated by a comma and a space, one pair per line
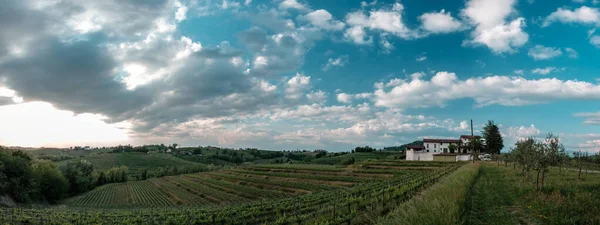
402, 147
136, 162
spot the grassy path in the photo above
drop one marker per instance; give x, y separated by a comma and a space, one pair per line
442, 203
492, 199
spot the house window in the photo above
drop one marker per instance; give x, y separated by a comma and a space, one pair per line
434, 150
435, 145
427, 150
427, 145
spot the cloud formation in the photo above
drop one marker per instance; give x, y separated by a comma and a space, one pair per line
491, 26
500, 90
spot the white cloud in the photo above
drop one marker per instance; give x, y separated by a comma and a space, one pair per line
544, 71
323, 19
595, 40
297, 86
385, 44
365, 4
358, 35
181, 13
572, 53
344, 98
539, 52
584, 14
317, 96
523, 132
421, 57
292, 4
595, 2
347, 98
440, 22
492, 29
335, 62
591, 146
501, 90
248, 2
590, 118
385, 20
520, 72
227, 4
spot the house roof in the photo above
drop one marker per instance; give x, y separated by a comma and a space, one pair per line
469, 136
415, 147
441, 140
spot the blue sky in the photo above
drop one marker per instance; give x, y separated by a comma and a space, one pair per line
296, 74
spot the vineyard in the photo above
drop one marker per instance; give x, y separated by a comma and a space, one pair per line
272, 194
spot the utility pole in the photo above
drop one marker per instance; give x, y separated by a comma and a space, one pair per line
472, 143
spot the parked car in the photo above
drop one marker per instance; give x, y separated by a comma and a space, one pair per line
485, 157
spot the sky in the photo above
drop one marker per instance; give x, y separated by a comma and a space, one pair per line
297, 74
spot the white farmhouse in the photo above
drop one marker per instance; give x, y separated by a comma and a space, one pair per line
439, 150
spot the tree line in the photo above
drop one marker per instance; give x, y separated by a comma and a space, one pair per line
27, 180
535, 155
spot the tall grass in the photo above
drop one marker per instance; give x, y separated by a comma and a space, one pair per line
443, 203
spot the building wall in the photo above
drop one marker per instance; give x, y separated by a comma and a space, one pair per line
463, 158
438, 147
419, 156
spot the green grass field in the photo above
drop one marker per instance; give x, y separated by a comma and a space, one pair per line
501, 196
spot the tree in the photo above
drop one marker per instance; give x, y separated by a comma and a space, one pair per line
476, 144
101, 179
79, 175
548, 155
493, 138
364, 149
578, 155
53, 185
532, 154
524, 155
452, 148
16, 176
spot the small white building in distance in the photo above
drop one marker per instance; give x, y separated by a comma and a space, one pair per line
439, 150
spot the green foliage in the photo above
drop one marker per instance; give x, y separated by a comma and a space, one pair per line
320, 154
537, 155
52, 184
364, 149
349, 161
452, 148
26, 180
79, 173
493, 139
476, 144
17, 176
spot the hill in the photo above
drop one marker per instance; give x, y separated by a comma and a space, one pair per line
137, 162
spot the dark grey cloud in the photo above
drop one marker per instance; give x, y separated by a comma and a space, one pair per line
76, 76
83, 70
208, 85
254, 38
